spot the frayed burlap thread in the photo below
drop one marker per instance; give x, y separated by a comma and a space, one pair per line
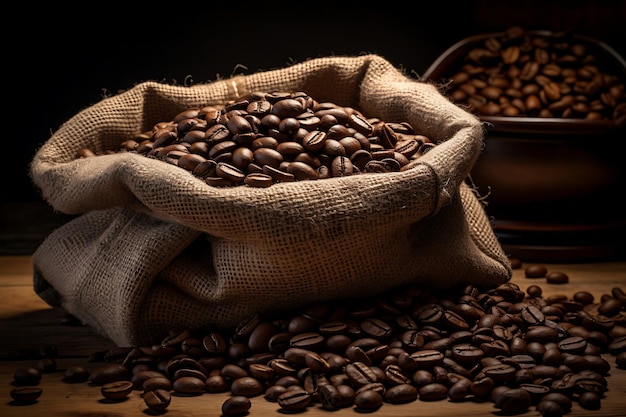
153, 247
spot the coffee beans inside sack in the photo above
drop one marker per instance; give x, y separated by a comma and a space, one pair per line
263, 138
206, 204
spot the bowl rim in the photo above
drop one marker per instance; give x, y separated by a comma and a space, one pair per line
527, 124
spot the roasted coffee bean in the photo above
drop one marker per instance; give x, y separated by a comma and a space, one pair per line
47, 365
360, 374
116, 391
26, 376
247, 387
590, 400
536, 271
183, 362
216, 384
157, 400
376, 328
460, 389
536, 391
400, 394
188, 385
109, 373
329, 397
156, 382
557, 277
562, 400
610, 307
368, 400
76, 374
500, 374
575, 345
273, 392
433, 392
548, 408
514, 400
236, 405
189, 373
140, 377
308, 341
427, 358
466, 354
296, 399
26, 395
214, 343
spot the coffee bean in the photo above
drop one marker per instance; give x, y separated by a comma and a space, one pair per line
514, 400
26, 395
368, 400
157, 382
296, 399
460, 389
236, 405
246, 386
400, 394
116, 391
47, 365
157, 400
557, 277
188, 385
590, 400
26, 376
76, 374
536, 271
562, 400
433, 392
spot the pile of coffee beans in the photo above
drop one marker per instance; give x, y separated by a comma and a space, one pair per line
521, 73
513, 348
264, 138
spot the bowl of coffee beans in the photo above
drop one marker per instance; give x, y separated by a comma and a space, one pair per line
554, 110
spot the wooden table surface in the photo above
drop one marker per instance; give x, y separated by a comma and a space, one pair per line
28, 325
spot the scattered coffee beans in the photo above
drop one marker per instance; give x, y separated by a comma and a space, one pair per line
265, 138
516, 349
538, 75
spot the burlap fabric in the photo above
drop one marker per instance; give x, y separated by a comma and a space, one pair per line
153, 247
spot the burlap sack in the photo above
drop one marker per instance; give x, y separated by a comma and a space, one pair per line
155, 248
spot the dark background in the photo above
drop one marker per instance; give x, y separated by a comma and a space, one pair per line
59, 61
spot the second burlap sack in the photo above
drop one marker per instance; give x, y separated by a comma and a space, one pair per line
152, 247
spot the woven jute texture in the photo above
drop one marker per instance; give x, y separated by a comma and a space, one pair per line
152, 247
